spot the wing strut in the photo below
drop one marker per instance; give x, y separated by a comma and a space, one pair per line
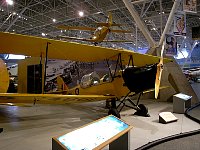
45, 67
131, 61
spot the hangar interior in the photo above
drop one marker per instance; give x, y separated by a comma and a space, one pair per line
33, 127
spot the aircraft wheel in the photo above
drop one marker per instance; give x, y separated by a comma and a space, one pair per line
115, 112
142, 111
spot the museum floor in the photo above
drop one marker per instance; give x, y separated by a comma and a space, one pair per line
32, 128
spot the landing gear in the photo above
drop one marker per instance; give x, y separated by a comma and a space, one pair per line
142, 110
113, 109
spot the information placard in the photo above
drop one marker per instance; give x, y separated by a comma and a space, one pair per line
95, 134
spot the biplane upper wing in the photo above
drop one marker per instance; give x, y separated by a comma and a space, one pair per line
12, 98
63, 27
36, 46
107, 24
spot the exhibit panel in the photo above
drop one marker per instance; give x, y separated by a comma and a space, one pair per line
95, 135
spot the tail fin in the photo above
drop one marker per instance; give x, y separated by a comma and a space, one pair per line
110, 20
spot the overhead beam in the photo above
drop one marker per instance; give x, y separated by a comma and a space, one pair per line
140, 1
147, 8
15, 19
140, 23
13, 22
169, 21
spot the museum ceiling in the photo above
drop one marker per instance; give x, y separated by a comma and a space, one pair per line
34, 17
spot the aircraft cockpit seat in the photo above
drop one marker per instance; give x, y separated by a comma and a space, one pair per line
139, 79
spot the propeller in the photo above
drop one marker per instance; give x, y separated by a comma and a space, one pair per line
159, 73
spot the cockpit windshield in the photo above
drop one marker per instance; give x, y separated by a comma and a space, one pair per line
89, 80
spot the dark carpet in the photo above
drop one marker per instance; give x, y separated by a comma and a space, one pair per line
194, 113
182, 141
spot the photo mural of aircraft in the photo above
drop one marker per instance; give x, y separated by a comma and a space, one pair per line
100, 32
134, 73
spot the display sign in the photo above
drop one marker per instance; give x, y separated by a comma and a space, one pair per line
93, 135
183, 96
180, 24
171, 45
166, 117
190, 6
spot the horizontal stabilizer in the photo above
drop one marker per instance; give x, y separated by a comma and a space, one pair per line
63, 27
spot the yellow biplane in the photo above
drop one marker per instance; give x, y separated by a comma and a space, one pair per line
100, 32
134, 73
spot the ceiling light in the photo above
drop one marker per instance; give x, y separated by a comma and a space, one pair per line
153, 29
43, 34
54, 20
9, 2
13, 30
81, 13
12, 56
14, 13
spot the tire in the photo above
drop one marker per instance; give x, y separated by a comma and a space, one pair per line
142, 111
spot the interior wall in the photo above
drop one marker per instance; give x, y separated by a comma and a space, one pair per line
22, 72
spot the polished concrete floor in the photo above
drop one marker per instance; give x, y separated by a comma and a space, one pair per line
32, 128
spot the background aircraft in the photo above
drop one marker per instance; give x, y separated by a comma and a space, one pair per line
122, 82
100, 32
192, 74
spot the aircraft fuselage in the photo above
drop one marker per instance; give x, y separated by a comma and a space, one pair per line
100, 34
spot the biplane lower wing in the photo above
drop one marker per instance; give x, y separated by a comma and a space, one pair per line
12, 98
75, 38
